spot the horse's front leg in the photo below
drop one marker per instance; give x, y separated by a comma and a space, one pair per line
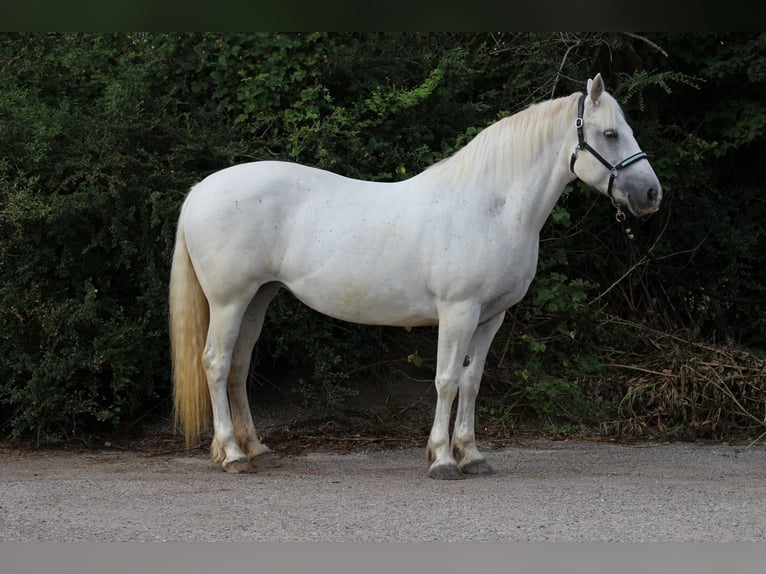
464, 449
457, 323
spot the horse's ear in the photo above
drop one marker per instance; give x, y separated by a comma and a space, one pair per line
595, 88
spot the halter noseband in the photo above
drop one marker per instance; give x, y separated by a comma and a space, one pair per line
613, 169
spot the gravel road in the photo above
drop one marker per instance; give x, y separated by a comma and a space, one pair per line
543, 490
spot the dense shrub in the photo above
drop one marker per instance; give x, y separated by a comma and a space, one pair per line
102, 134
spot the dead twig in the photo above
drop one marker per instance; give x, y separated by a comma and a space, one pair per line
646, 41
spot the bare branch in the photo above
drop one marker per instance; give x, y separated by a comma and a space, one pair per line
646, 41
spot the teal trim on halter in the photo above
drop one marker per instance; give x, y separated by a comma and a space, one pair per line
632, 159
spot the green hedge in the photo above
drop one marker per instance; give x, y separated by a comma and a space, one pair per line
102, 134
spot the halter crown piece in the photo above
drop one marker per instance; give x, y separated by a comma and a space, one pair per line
613, 169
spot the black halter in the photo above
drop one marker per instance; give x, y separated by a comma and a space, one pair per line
613, 169
583, 145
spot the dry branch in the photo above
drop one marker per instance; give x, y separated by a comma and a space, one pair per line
691, 390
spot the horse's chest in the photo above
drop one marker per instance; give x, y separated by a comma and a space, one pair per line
492, 306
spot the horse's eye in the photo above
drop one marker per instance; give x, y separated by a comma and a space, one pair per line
610, 134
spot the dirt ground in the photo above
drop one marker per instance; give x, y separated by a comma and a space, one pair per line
367, 481
377, 490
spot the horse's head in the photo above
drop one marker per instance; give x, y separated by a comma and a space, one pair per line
607, 155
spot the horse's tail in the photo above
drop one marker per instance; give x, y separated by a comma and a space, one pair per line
189, 318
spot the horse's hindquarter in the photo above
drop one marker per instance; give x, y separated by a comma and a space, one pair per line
359, 251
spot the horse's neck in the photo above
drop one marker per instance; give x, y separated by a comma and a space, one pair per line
522, 159
544, 184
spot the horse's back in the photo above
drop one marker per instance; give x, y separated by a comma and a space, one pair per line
256, 181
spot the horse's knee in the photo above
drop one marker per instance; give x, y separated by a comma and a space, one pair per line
446, 387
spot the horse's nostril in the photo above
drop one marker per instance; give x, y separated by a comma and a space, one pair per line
651, 195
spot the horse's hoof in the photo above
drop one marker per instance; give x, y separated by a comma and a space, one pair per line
266, 459
448, 471
238, 466
479, 466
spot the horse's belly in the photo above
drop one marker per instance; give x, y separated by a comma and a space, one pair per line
368, 304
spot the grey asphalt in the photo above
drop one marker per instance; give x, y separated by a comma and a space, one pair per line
542, 491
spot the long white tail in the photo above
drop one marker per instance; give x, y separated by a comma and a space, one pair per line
189, 318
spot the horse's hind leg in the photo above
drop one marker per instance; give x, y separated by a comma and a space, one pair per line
223, 333
464, 449
242, 418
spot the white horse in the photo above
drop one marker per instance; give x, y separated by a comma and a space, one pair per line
456, 246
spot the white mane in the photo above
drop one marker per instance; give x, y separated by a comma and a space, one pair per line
510, 145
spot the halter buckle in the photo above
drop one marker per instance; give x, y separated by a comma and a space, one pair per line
623, 221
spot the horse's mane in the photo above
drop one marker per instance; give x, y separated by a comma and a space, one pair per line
508, 146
